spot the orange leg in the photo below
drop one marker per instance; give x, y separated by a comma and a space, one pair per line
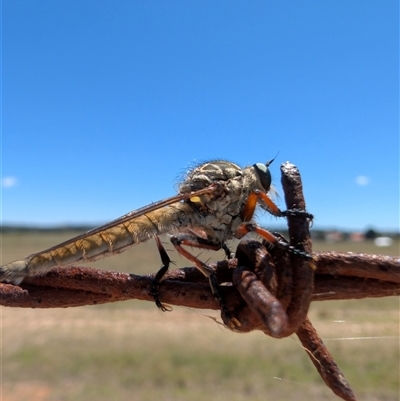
195, 242
245, 228
251, 204
258, 195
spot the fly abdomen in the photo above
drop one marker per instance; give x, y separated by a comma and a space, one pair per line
103, 241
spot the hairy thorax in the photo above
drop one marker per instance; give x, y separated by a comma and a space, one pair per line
219, 213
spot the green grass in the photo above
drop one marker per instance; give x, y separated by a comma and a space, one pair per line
130, 351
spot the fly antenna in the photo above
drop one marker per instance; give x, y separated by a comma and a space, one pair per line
269, 162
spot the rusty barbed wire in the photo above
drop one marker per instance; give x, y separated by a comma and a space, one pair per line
79, 286
292, 281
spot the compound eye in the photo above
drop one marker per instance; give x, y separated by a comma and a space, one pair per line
264, 175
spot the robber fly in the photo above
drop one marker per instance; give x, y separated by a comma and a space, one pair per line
215, 203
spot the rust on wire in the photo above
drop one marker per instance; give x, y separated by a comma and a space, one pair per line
78, 286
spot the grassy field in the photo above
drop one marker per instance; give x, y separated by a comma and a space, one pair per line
130, 351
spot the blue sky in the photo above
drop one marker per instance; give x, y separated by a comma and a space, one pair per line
105, 103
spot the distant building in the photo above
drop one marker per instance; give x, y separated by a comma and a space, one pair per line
383, 241
357, 237
334, 236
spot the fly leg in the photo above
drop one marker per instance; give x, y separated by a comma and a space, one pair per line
257, 196
205, 243
166, 261
228, 253
247, 226
196, 242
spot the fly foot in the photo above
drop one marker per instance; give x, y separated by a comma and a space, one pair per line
298, 213
154, 292
230, 322
166, 261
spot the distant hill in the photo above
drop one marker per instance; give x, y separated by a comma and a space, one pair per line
80, 228
317, 234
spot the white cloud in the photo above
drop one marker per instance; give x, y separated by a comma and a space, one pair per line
8, 182
362, 180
